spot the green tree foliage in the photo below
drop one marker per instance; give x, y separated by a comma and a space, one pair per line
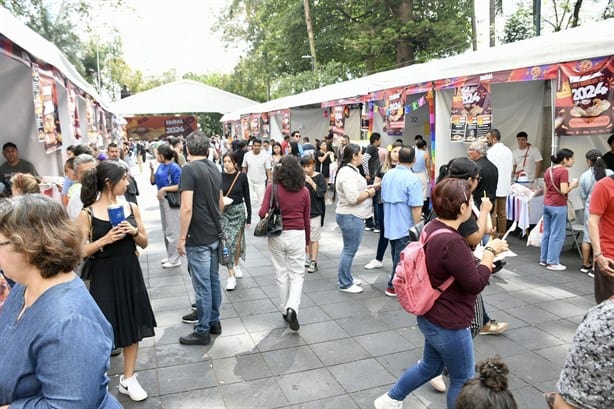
353, 38
519, 26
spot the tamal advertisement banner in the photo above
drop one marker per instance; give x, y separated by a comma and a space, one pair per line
46, 109
73, 109
157, 127
337, 119
584, 97
471, 117
394, 103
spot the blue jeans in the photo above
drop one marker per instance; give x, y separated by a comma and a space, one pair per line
448, 348
396, 247
351, 231
204, 267
555, 224
382, 242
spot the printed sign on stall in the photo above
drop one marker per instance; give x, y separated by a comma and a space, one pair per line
337, 119
156, 127
471, 117
394, 101
46, 109
584, 97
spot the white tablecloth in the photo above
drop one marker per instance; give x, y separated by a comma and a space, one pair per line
524, 210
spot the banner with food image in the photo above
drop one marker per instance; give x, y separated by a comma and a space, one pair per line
584, 97
337, 118
159, 126
259, 125
394, 103
471, 116
285, 121
73, 109
46, 109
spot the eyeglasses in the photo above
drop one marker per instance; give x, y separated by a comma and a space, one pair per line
5, 243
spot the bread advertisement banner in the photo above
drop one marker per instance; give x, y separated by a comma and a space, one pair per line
584, 97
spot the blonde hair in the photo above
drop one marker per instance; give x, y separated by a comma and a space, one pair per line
387, 165
25, 183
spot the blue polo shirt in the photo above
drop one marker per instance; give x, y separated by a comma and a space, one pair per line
401, 190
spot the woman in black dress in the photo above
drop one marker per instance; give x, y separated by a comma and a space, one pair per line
324, 157
117, 282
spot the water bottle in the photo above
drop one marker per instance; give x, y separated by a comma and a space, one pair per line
225, 251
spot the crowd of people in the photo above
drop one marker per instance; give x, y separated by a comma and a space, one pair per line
207, 191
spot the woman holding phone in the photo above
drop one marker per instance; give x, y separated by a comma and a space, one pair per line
117, 283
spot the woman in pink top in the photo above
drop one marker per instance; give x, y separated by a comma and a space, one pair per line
288, 249
556, 187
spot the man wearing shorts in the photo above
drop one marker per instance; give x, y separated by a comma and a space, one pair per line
316, 184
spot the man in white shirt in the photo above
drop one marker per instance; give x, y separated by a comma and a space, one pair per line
257, 165
503, 158
527, 160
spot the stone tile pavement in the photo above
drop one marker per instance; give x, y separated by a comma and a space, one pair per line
350, 348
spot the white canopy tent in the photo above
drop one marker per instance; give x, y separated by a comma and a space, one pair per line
183, 96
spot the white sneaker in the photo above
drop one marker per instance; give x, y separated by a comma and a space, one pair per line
556, 267
164, 260
353, 289
386, 402
168, 264
231, 283
132, 388
375, 263
357, 281
438, 383
238, 272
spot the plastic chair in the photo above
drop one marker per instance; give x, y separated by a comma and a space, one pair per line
575, 231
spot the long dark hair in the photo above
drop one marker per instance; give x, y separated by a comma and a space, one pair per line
289, 173
459, 168
94, 180
349, 151
597, 163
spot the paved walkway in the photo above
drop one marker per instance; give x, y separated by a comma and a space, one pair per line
350, 348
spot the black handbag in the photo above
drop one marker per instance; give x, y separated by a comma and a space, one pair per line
271, 224
173, 198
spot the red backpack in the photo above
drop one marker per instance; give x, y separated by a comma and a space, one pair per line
411, 280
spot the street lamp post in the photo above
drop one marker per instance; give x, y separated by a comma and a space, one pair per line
310, 58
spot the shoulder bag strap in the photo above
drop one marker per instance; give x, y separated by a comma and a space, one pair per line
233, 184
554, 184
208, 200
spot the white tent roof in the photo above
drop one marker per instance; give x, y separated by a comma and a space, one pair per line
594, 39
42, 49
183, 96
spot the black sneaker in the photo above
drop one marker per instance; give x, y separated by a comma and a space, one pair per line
116, 351
292, 319
195, 339
193, 307
215, 328
586, 269
191, 318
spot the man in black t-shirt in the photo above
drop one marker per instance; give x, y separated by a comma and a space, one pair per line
608, 157
201, 201
489, 174
370, 164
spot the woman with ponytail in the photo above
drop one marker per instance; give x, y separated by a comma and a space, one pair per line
488, 389
116, 282
556, 187
166, 178
596, 171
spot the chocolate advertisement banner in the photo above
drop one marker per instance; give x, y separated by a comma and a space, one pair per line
46, 109
584, 97
394, 103
157, 127
337, 118
471, 117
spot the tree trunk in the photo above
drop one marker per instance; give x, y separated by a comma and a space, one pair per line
474, 28
312, 42
576, 13
492, 12
405, 50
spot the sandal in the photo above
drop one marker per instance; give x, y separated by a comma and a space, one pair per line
550, 397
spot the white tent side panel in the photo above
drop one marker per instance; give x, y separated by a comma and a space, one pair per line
310, 122
17, 117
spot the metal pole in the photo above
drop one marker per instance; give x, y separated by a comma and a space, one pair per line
98, 68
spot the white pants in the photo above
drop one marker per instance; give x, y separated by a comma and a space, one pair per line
256, 193
288, 257
170, 229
